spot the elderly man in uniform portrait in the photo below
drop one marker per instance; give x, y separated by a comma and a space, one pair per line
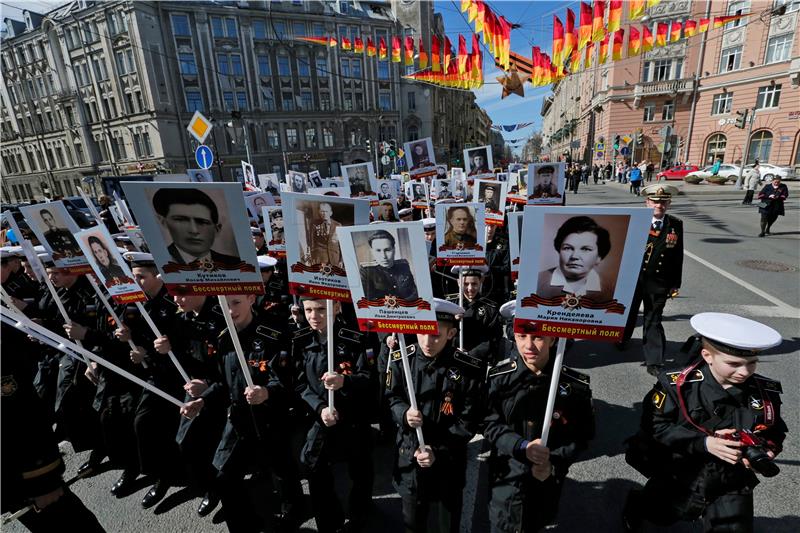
192, 220
388, 276
276, 225
359, 181
462, 227
418, 193
60, 240
582, 245
479, 163
324, 240
544, 186
444, 190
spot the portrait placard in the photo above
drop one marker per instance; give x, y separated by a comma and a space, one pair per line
361, 180
329, 191
514, 241
137, 239
457, 173
385, 211
442, 189
55, 229
24, 240
460, 189
420, 158
460, 234
492, 194
199, 236
315, 179
313, 254
478, 162
520, 179
255, 202
389, 277
200, 175
546, 183
249, 175
417, 192
578, 270
109, 266
273, 231
387, 190
270, 183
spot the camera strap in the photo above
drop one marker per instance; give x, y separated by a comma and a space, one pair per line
678, 383
769, 410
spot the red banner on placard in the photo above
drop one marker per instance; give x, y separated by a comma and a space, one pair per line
569, 331
327, 293
130, 297
213, 289
78, 270
467, 261
400, 326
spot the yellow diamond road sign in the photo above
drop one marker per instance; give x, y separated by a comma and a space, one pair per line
199, 127
626, 139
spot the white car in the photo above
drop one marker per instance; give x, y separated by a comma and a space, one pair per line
728, 171
768, 171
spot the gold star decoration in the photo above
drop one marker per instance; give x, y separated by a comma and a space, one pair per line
513, 84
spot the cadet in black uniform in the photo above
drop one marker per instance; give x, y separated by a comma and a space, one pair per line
447, 384
31, 461
341, 432
481, 323
258, 239
498, 259
525, 477
660, 278
15, 281
707, 430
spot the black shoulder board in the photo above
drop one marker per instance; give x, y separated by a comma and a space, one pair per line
769, 384
350, 335
574, 375
275, 285
302, 332
269, 333
503, 367
695, 375
410, 350
467, 359
488, 302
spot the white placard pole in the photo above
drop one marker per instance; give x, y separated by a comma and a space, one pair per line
461, 305
237, 345
329, 333
111, 311
412, 397
551, 397
157, 333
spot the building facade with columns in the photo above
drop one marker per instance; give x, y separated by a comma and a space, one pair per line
97, 89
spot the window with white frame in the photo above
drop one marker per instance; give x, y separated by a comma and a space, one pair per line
768, 96
284, 68
180, 26
779, 48
273, 140
303, 66
722, 104
291, 137
737, 8
327, 137
791, 6
311, 138
649, 113
667, 111
730, 59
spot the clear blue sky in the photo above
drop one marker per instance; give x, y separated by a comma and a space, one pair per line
536, 21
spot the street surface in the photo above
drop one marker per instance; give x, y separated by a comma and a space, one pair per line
721, 237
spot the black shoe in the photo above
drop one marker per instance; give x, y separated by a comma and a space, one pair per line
123, 484
155, 494
761, 234
88, 468
654, 370
631, 520
208, 504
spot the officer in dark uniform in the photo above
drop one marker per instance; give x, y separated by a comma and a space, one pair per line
388, 276
340, 432
708, 429
31, 461
447, 386
481, 324
275, 303
60, 240
252, 441
660, 277
525, 476
156, 420
498, 259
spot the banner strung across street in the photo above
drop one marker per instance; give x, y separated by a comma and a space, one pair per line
109, 266
55, 229
460, 234
588, 261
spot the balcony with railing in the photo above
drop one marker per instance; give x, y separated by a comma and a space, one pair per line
655, 88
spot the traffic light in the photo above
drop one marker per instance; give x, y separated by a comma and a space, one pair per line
639, 138
369, 146
741, 118
616, 142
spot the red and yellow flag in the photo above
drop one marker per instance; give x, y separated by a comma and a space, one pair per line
409, 57
423, 55
371, 50
480, 19
598, 29
396, 54
435, 54
465, 5
603, 53
547, 70
675, 31
661, 34
448, 53
536, 73
462, 55
690, 28
721, 21
383, 52
575, 61
634, 42
619, 38
346, 44
558, 40
332, 42
476, 60
614, 15
652, 3
703, 25
358, 45
636, 9
316, 40
647, 39
587, 62
472, 11
570, 37
585, 28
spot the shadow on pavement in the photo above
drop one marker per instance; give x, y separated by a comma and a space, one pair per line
624, 420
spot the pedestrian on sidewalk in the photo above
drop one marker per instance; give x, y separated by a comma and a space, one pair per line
636, 180
649, 172
595, 173
750, 183
608, 171
772, 197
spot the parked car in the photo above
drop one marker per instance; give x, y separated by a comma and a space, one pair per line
676, 173
768, 171
78, 203
725, 170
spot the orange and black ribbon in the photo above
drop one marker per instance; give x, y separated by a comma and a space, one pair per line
241, 266
419, 303
611, 306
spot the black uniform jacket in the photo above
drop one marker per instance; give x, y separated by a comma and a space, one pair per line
662, 266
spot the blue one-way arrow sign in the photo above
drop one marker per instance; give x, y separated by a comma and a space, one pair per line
204, 156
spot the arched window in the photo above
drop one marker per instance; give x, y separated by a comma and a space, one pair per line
413, 132
760, 147
716, 148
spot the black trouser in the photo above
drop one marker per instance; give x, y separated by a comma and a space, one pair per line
748, 197
653, 338
439, 516
767, 221
67, 512
119, 436
197, 440
155, 423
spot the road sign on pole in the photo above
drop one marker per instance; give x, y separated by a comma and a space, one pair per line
385, 160
199, 127
204, 156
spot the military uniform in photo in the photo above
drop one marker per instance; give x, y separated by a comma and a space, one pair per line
397, 280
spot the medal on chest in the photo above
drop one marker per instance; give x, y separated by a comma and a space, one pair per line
672, 239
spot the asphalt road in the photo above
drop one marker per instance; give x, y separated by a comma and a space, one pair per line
720, 241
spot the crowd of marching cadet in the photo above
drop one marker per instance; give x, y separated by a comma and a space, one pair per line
282, 428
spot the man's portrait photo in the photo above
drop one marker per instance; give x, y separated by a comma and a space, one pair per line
478, 161
317, 221
315, 178
200, 175
442, 189
460, 227
385, 190
441, 172
51, 221
546, 180
385, 211
249, 174
297, 181
387, 270
489, 195
420, 155
256, 202
360, 178
460, 188
191, 219
582, 246
270, 183
418, 192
